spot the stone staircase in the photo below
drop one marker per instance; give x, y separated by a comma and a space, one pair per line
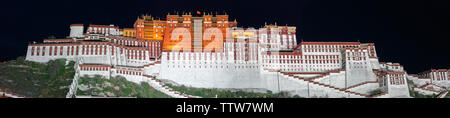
443, 94
74, 85
158, 85
311, 81
360, 84
327, 74
418, 81
326, 78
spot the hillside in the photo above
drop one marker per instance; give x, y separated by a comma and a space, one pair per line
116, 87
227, 93
37, 80
52, 80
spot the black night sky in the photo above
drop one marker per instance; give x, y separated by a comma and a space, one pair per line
412, 33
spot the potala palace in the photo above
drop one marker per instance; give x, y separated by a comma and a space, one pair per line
211, 51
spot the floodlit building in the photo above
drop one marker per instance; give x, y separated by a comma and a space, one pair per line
210, 51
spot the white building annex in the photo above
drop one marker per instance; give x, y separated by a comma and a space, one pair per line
268, 58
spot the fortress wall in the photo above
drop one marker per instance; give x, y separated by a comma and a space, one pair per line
249, 79
195, 76
202, 70
245, 76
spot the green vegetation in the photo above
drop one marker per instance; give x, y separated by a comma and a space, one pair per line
32, 79
416, 94
222, 93
116, 87
375, 92
410, 83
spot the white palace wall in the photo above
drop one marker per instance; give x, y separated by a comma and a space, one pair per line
43, 55
336, 79
400, 91
358, 67
92, 53
211, 75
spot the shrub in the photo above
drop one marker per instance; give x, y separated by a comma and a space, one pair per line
375, 92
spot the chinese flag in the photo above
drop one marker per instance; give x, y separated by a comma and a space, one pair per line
198, 12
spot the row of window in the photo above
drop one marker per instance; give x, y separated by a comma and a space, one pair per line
104, 31
131, 34
136, 43
303, 61
86, 50
188, 25
328, 46
94, 68
307, 57
302, 66
127, 72
210, 66
397, 80
322, 50
356, 58
136, 54
308, 68
93, 50
440, 76
53, 50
